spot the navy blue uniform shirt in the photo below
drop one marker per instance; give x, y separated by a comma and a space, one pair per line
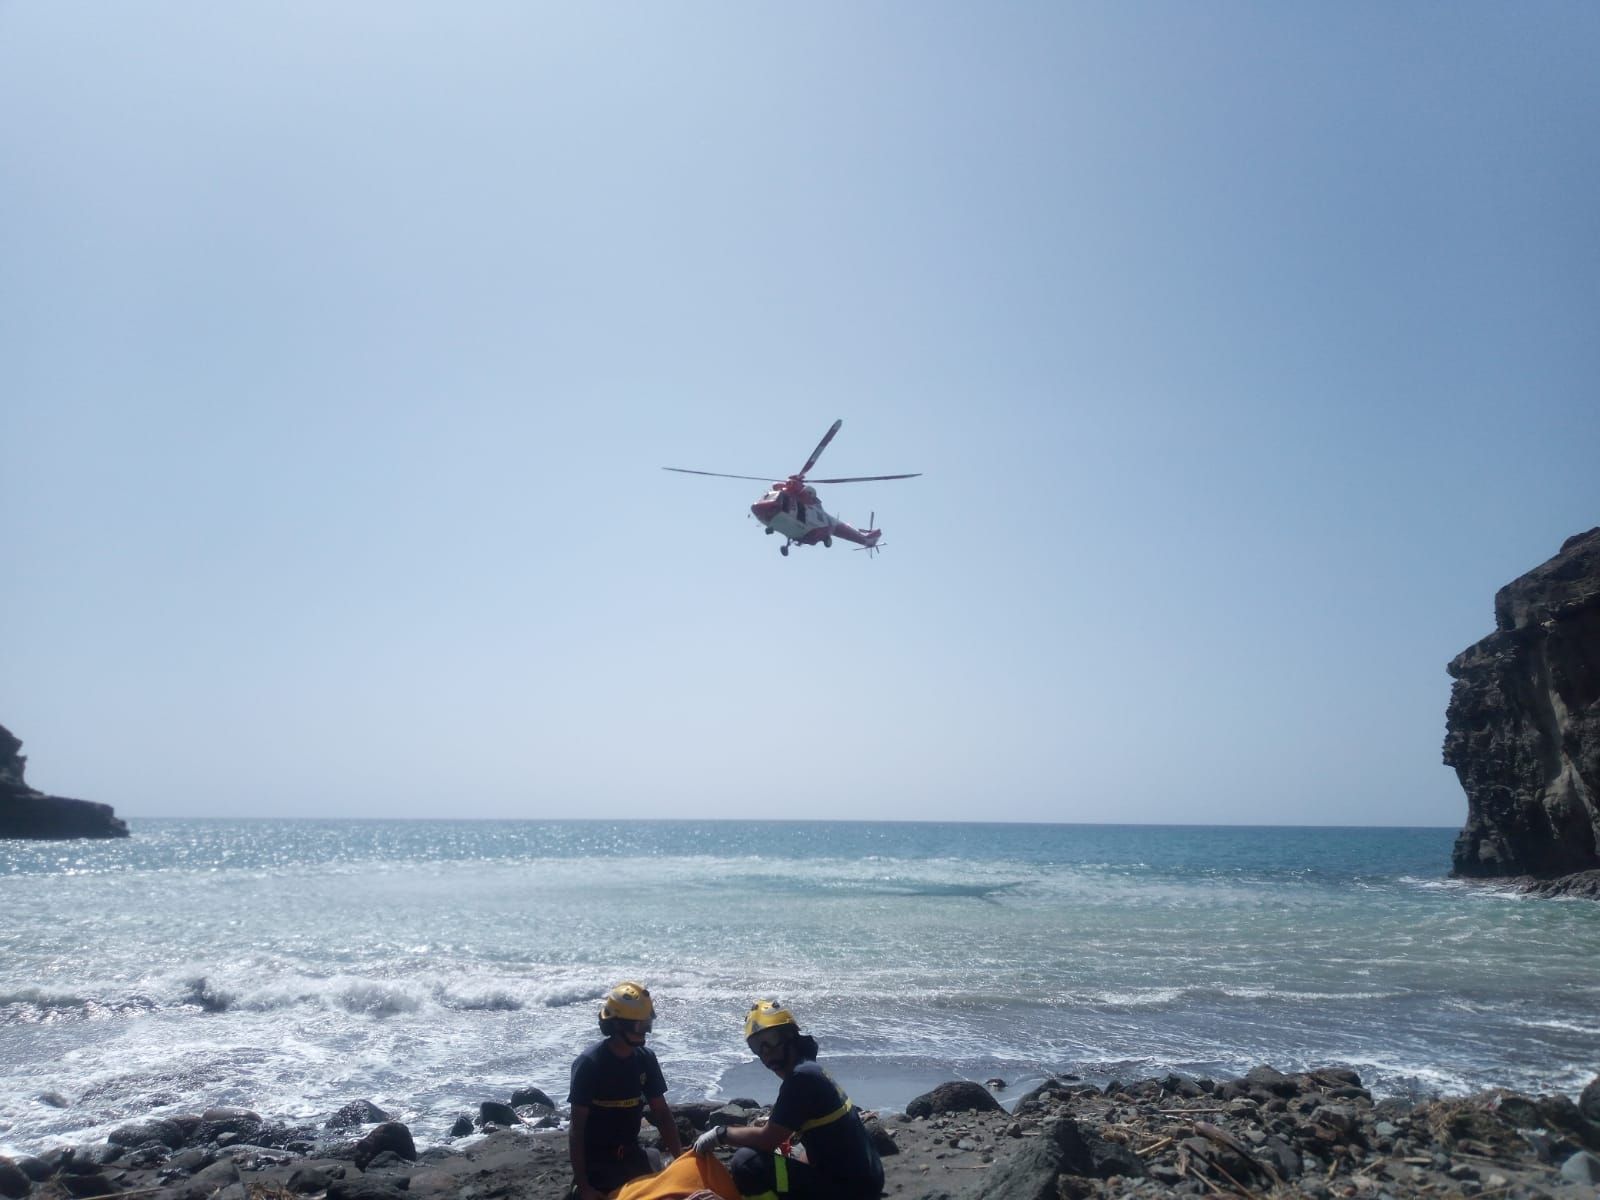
838, 1148
615, 1090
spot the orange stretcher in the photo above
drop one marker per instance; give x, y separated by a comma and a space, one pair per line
683, 1177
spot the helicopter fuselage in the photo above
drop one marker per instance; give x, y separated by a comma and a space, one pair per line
792, 510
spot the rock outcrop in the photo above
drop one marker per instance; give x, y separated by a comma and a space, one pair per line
1523, 727
28, 813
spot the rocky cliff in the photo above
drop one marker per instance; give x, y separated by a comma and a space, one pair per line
1523, 727
27, 813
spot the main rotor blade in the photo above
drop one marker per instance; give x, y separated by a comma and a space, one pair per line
821, 446
865, 478
722, 474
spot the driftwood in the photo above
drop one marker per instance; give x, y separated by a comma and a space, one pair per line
1223, 1138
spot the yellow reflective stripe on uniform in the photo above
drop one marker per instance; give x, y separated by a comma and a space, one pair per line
827, 1120
634, 1103
780, 1173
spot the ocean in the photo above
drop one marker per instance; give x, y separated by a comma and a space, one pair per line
292, 966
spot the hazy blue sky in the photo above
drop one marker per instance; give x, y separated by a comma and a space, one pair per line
1246, 349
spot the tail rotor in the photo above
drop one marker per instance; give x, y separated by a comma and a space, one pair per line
875, 546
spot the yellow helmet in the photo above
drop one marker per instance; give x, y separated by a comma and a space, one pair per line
767, 1015
629, 1001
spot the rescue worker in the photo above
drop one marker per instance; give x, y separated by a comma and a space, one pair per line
612, 1082
840, 1161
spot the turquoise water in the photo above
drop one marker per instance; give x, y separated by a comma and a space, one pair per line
294, 965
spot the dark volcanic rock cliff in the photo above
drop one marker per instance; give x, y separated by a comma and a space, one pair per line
27, 813
1523, 727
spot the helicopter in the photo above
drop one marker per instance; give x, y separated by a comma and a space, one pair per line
790, 506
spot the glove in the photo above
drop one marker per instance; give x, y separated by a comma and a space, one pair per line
711, 1139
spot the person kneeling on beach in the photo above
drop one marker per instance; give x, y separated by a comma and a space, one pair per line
612, 1081
840, 1160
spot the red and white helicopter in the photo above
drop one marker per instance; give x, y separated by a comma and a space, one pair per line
790, 506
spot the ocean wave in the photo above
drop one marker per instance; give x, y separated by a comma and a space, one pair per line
1146, 997
561, 997
1300, 997
373, 999
1587, 1029
36, 1006
492, 999
209, 996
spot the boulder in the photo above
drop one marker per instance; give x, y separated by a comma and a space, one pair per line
392, 1137
697, 1113
882, 1139
1088, 1154
34, 1168
167, 1133
956, 1096
1582, 1168
309, 1179
227, 1125
357, 1112
1523, 726
1028, 1172
1269, 1079
1589, 1101
492, 1112
531, 1095
14, 1181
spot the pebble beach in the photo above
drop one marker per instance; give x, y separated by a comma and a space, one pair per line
1318, 1134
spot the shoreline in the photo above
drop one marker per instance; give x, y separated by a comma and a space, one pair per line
1318, 1133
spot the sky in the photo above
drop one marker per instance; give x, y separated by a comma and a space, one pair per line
1245, 350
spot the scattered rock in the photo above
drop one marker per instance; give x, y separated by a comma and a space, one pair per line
1141, 1140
